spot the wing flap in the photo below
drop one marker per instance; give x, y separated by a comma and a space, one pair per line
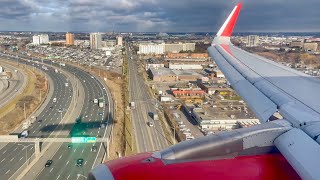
301, 151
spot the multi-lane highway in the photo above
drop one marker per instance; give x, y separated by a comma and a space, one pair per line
147, 138
16, 84
13, 155
97, 122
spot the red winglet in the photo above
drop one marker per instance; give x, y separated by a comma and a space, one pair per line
228, 25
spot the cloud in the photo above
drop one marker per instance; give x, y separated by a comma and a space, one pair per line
157, 15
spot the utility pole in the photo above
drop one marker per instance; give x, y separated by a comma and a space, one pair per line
40, 96
24, 110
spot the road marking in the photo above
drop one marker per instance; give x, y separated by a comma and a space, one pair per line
12, 159
68, 176
8, 171
67, 163
4, 151
85, 163
75, 150
58, 177
20, 158
15, 149
51, 169
82, 151
60, 156
3, 160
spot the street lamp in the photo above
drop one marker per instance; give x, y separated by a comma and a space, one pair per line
26, 146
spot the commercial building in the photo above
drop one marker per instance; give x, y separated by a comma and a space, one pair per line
151, 48
189, 94
296, 44
226, 118
310, 46
168, 75
176, 48
82, 43
184, 66
218, 74
119, 41
252, 40
40, 39
187, 56
95, 40
69, 39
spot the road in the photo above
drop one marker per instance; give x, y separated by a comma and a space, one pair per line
64, 159
13, 156
16, 84
147, 138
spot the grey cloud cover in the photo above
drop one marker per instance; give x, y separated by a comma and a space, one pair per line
157, 15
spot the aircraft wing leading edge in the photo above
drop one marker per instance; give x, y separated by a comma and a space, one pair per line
267, 88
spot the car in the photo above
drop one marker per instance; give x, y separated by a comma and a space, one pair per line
94, 149
40, 121
51, 107
86, 116
59, 110
69, 146
79, 162
100, 114
48, 163
150, 124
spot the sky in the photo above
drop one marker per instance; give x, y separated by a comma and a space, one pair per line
157, 15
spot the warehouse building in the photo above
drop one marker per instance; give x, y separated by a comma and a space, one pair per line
168, 75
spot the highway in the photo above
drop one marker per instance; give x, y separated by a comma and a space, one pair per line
147, 138
64, 160
16, 84
13, 156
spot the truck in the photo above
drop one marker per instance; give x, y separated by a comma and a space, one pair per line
101, 102
95, 101
155, 117
132, 105
24, 134
62, 64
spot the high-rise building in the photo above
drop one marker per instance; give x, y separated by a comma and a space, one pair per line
119, 41
252, 40
40, 39
95, 40
70, 39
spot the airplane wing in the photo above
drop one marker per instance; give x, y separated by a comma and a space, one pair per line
268, 87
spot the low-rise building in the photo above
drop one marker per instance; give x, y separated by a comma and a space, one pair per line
162, 74
184, 66
189, 94
218, 74
153, 63
310, 46
187, 55
225, 118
